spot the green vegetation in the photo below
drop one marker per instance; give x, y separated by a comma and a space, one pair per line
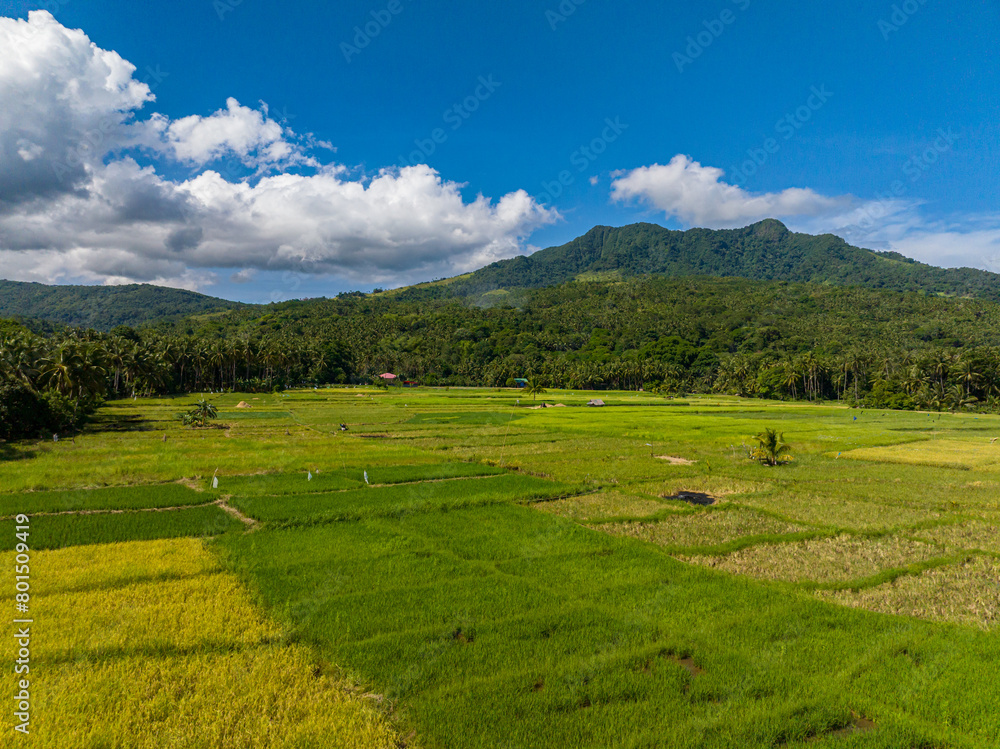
103, 307
534, 388
765, 251
848, 599
398, 500
200, 415
771, 448
778, 320
59, 531
112, 498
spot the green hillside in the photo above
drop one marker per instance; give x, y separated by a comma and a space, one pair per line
103, 307
765, 251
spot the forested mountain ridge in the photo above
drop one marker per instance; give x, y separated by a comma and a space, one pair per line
103, 307
765, 251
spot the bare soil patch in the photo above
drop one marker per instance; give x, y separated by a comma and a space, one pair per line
675, 461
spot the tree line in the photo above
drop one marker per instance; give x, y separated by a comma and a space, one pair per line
751, 338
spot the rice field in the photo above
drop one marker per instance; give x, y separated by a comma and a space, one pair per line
72, 529
152, 644
825, 560
459, 570
113, 498
965, 593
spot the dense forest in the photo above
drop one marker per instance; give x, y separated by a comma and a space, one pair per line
102, 307
764, 251
765, 339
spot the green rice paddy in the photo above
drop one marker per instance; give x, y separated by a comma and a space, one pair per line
511, 577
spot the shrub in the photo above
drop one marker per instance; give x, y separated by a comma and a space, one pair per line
23, 413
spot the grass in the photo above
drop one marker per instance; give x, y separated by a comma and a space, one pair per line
705, 529
946, 453
177, 657
965, 593
58, 531
605, 506
973, 535
578, 635
490, 612
824, 560
397, 500
115, 498
282, 483
405, 474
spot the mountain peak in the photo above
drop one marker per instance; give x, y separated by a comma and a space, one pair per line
769, 228
765, 251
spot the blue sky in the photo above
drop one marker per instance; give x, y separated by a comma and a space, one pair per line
884, 114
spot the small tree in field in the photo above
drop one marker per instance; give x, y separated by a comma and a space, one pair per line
199, 415
771, 448
534, 388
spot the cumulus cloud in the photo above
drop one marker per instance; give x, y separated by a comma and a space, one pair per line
698, 196
64, 103
76, 203
236, 131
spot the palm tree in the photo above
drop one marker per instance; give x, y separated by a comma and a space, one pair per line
534, 388
790, 376
968, 375
959, 399
771, 448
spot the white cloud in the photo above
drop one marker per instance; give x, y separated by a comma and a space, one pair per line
63, 104
237, 131
698, 196
76, 204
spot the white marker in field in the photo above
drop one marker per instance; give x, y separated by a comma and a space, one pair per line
366, 477
309, 476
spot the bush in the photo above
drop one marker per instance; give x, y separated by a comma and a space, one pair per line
26, 414
22, 412
63, 413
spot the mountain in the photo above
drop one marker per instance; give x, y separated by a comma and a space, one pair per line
103, 307
765, 251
